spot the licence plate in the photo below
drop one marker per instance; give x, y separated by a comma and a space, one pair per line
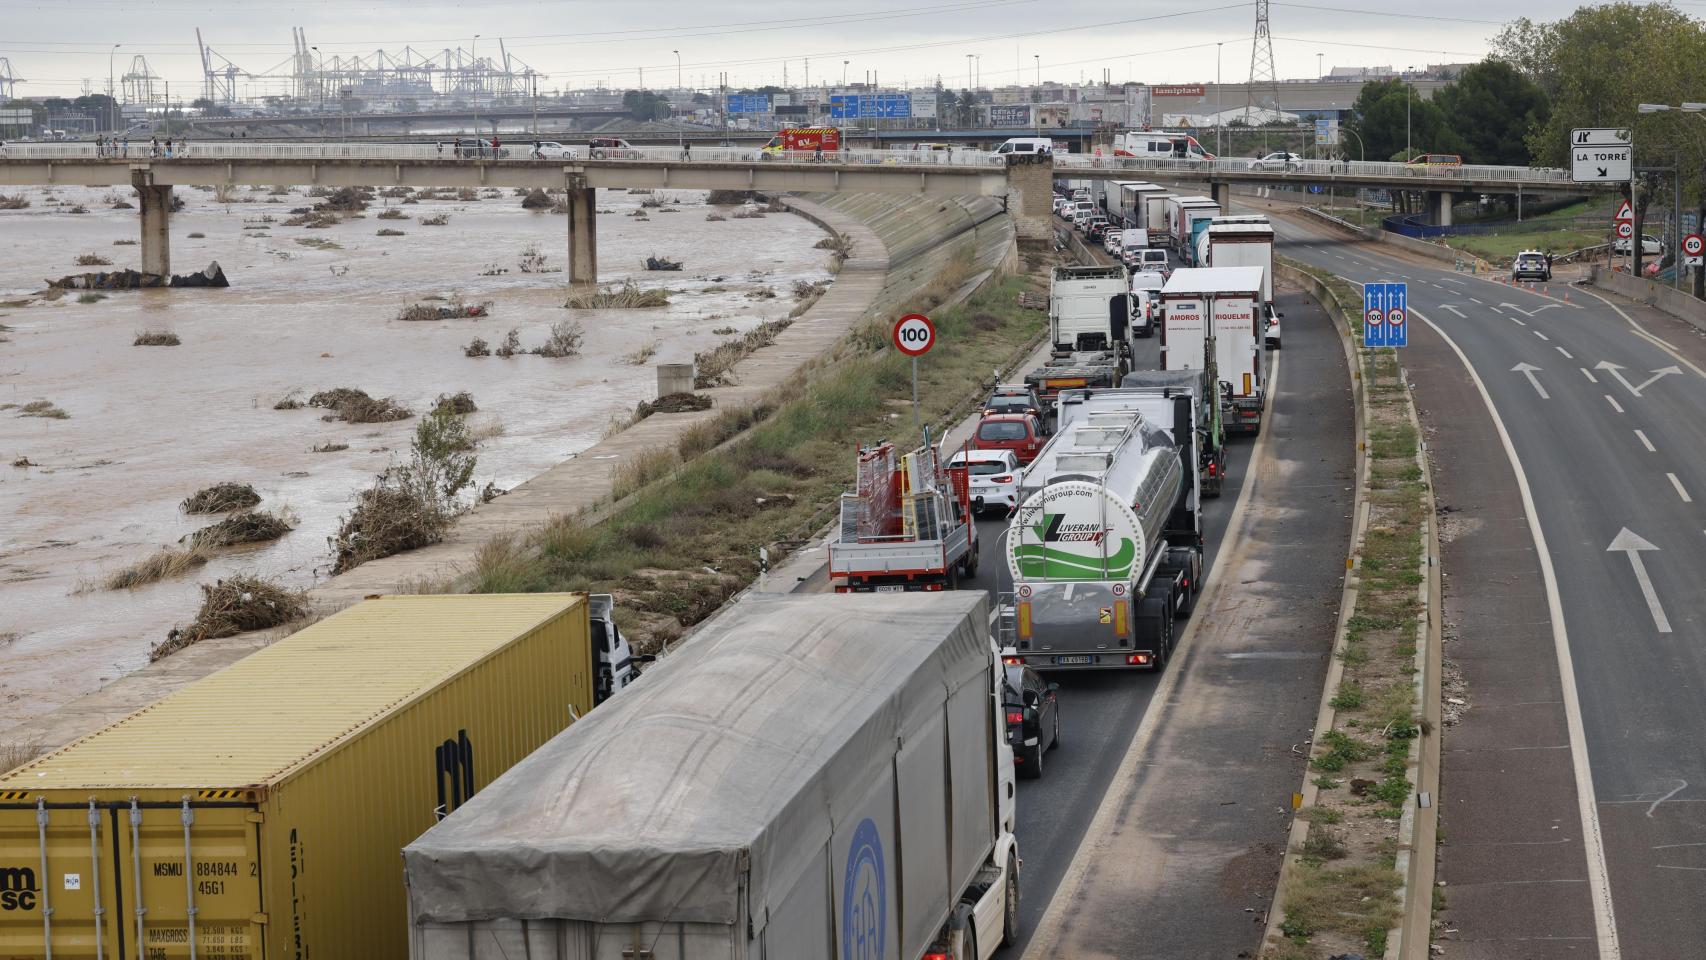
1064, 661
889, 589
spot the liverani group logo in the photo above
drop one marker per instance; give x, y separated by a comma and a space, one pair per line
1054, 529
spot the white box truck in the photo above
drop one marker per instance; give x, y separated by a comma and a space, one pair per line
1155, 216
811, 778
1105, 549
1248, 242
1134, 200
1187, 217
1089, 308
1212, 320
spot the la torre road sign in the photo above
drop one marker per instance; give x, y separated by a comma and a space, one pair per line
1600, 155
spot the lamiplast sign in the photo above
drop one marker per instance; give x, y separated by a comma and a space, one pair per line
1074, 530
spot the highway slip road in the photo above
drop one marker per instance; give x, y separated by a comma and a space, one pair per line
1569, 452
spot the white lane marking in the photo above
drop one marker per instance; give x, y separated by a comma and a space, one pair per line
1616, 370
1679, 490
1045, 943
1518, 322
1455, 310
1496, 310
1632, 544
1566, 353
1454, 280
1604, 911
1474, 300
1636, 328
1614, 404
1589, 374
1645, 442
1529, 370
1541, 335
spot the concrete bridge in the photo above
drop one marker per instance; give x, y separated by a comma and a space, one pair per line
429, 165
955, 172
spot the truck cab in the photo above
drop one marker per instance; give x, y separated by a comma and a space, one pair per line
616, 664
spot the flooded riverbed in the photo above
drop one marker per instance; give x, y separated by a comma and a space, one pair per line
147, 426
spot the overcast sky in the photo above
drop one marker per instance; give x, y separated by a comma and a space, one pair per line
56, 47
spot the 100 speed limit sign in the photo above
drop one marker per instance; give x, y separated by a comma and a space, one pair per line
914, 335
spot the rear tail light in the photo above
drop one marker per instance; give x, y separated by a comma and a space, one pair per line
1004, 478
1137, 659
1013, 661
1015, 716
936, 955
1214, 469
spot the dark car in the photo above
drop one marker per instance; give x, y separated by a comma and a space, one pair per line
1033, 718
1014, 399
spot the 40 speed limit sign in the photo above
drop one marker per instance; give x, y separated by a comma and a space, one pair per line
914, 334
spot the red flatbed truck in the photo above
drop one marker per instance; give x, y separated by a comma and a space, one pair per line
908, 525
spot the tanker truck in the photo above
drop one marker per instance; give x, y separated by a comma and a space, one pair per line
1105, 549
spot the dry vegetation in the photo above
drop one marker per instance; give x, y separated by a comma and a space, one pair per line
156, 338
92, 260
715, 367
44, 409
410, 505
162, 564
250, 526
624, 295
220, 498
436, 220
233, 606
564, 340
355, 406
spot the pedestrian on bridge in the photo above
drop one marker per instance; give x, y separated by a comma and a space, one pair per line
686, 150
494, 146
124, 148
441, 149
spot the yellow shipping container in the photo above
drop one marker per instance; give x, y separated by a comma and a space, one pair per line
261, 811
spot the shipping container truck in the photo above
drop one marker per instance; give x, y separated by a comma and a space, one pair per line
1077, 370
811, 778
1155, 206
907, 525
1212, 319
1105, 549
1248, 242
261, 811
1089, 308
1134, 204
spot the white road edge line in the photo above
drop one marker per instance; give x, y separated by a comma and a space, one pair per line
1045, 943
1646, 443
1589, 374
1679, 490
1604, 914
1614, 404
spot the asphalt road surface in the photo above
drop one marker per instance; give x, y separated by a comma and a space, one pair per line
1604, 423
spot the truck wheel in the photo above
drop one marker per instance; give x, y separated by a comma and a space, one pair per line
1010, 909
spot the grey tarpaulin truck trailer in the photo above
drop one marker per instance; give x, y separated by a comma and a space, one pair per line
808, 778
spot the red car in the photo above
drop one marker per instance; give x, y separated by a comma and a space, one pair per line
1018, 432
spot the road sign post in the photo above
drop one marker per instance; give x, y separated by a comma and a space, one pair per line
914, 335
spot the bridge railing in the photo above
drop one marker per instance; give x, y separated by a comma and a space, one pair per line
516, 150
1477, 173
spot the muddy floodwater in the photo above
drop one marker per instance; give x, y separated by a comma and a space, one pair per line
307, 310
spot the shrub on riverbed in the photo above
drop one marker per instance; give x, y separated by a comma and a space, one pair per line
355, 406
564, 340
715, 366
624, 295
161, 564
220, 498
92, 260
156, 338
250, 526
233, 606
410, 505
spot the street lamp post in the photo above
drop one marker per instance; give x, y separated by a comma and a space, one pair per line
1219, 138
680, 134
112, 96
319, 90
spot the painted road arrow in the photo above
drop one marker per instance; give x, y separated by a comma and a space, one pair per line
1454, 310
1616, 370
1628, 542
1528, 313
1529, 370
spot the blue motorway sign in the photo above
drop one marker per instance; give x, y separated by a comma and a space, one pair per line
870, 106
749, 103
1385, 315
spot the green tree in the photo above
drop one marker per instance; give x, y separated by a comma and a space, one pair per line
1492, 108
645, 105
1388, 114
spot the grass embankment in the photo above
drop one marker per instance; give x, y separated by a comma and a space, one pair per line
768, 477
1340, 894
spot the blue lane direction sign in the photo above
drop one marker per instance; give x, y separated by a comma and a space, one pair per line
1397, 315
1374, 314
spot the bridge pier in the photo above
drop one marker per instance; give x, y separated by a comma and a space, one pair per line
1440, 201
155, 201
1221, 193
583, 233
1033, 207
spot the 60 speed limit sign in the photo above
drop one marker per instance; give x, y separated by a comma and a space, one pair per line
1693, 247
914, 335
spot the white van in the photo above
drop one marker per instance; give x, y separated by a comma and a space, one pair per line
1026, 149
1160, 144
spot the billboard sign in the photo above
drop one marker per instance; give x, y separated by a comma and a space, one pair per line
1327, 131
924, 105
1179, 90
1010, 115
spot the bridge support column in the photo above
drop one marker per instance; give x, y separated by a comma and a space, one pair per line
1440, 200
1030, 191
156, 204
583, 234
1221, 193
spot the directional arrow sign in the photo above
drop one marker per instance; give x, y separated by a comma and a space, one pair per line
1529, 370
1632, 544
1616, 370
